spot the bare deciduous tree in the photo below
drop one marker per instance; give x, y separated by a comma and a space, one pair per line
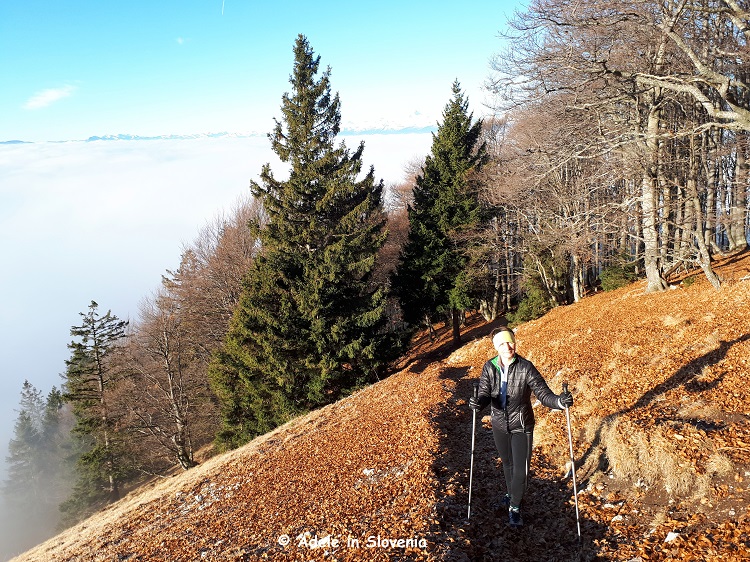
172, 410
643, 79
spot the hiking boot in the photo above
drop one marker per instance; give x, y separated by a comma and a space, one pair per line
514, 517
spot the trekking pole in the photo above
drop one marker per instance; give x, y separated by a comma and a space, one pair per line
473, 431
572, 462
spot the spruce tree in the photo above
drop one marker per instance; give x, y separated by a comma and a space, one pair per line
36, 476
90, 378
431, 275
22, 484
310, 325
24, 448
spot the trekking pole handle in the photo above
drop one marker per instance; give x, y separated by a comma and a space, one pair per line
565, 386
476, 389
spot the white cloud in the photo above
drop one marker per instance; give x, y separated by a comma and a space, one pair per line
47, 97
104, 220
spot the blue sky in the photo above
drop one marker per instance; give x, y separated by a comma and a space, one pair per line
75, 69
103, 220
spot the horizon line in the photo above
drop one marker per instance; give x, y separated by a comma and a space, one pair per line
251, 134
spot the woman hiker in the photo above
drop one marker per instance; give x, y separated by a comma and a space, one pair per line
506, 382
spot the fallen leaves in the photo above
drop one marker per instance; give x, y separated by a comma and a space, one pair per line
383, 474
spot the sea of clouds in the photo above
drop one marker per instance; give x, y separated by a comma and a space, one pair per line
103, 220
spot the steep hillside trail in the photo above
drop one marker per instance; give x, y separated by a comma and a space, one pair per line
661, 428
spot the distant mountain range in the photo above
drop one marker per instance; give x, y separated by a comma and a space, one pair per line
128, 137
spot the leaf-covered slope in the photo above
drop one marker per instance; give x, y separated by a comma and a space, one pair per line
661, 436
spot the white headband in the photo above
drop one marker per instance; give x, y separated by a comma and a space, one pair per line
505, 336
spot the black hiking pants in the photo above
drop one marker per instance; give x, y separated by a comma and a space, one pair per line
515, 453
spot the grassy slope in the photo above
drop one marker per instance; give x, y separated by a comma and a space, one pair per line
661, 437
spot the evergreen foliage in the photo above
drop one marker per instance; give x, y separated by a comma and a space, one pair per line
311, 325
618, 274
101, 461
36, 481
431, 277
24, 448
542, 278
534, 304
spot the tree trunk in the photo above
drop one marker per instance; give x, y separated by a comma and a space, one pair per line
508, 279
738, 210
704, 255
430, 328
114, 489
456, 316
655, 281
576, 278
708, 224
667, 219
489, 308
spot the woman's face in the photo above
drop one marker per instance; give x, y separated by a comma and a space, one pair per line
506, 351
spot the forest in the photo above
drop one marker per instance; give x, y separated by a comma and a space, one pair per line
618, 150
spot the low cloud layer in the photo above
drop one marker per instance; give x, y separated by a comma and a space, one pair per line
82, 221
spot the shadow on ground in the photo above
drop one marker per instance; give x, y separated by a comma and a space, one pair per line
686, 376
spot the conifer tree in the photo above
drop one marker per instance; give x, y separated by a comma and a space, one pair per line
36, 477
22, 484
310, 325
24, 447
53, 427
56, 442
89, 380
430, 277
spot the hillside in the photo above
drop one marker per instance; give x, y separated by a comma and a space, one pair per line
661, 428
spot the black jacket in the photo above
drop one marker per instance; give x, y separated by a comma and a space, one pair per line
523, 378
